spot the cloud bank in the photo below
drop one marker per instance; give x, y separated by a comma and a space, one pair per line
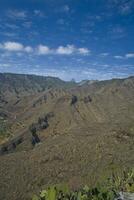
43, 49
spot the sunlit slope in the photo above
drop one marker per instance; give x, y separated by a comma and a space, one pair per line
102, 102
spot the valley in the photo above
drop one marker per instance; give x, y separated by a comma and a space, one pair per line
85, 132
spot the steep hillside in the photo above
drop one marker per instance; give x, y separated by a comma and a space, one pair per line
17, 91
83, 130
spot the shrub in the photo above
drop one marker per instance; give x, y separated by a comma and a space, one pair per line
87, 99
74, 100
33, 129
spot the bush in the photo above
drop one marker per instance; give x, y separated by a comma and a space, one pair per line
74, 100
87, 99
33, 129
43, 122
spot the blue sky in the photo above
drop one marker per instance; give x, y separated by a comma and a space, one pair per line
80, 39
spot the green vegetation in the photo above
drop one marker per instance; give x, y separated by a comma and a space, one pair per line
108, 190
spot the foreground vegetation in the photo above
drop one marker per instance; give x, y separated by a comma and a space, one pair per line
108, 190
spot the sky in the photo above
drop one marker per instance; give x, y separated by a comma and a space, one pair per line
69, 39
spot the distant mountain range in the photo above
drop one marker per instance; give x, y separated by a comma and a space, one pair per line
19, 83
86, 82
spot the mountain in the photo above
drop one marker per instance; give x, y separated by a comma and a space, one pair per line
86, 82
85, 131
25, 84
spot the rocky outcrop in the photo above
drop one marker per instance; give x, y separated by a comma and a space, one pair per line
125, 196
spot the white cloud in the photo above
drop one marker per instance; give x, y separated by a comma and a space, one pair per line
129, 55
126, 7
69, 49
28, 49
119, 57
84, 51
10, 34
43, 50
118, 29
123, 7
17, 47
17, 14
66, 8
63, 9
13, 46
5, 65
11, 26
38, 13
104, 54
27, 24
